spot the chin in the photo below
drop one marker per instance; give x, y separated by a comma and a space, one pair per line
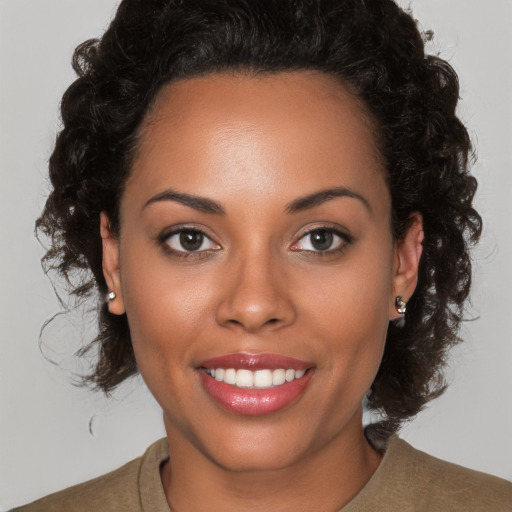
257, 449
254, 461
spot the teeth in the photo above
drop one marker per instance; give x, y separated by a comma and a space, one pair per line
230, 376
244, 379
263, 379
278, 377
260, 379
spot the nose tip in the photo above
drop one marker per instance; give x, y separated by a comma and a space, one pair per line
255, 301
251, 318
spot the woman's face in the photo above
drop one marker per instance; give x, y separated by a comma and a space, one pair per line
255, 235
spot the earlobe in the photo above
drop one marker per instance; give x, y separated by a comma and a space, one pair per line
111, 270
408, 252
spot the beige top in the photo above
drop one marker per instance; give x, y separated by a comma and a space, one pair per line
406, 480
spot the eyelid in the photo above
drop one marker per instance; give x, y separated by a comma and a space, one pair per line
176, 230
337, 231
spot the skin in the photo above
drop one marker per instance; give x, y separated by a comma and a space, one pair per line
254, 145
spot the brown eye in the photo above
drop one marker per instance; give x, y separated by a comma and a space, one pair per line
190, 240
321, 240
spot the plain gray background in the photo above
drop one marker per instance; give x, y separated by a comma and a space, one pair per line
53, 434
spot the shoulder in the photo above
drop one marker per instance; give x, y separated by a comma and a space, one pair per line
434, 484
119, 487
114, 491
411, 480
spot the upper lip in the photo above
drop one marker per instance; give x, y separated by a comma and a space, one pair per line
249, 361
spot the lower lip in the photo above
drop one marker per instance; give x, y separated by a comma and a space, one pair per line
255, 402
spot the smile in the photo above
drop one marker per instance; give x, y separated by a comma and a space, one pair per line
255, 384
259, 379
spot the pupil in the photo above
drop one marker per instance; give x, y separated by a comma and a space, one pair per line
191, 240
321, 240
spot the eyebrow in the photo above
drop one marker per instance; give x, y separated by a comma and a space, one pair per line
317, 198
201, 204
210, 206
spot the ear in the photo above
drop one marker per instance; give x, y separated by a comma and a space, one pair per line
111, 265
407, 258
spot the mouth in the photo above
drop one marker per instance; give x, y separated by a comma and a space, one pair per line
258, 379
255, 384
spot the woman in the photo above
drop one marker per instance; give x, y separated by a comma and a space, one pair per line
273, 199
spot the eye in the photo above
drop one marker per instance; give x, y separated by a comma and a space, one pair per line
321, 240
189, 240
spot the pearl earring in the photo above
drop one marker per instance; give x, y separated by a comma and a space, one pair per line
111, 296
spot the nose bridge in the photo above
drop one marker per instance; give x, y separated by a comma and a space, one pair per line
255, 297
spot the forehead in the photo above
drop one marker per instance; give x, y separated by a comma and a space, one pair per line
296, 132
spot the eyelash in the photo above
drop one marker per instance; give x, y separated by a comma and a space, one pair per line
164, 242
344, 240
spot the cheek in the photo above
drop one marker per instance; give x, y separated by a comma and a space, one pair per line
165, 307
349, 308
354, 294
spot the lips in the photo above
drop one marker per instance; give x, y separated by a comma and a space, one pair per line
255, 384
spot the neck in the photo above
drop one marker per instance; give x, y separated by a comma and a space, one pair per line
326, 479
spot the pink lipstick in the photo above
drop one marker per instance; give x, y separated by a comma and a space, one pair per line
255, 384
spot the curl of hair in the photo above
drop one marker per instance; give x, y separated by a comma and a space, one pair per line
375, 49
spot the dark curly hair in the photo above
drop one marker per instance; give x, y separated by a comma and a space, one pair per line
375, 49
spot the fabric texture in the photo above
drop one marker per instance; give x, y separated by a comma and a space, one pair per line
407, 480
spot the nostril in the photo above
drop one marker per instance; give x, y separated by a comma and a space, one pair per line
270, 321
254, 311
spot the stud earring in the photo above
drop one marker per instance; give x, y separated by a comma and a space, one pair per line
400, 305
111, 296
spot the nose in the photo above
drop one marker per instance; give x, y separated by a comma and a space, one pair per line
255, 297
